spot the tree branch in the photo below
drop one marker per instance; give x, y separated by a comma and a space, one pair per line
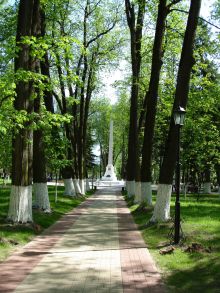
203, 19
175, 31
173, 3
58, 101
94, 8
130, 14
100, 35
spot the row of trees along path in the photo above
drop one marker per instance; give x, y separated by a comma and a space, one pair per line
59, 58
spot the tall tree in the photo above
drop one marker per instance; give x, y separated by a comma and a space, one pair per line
151, 98
20, 207
162, 206
135, 24
39, 158
151, 103
78, 62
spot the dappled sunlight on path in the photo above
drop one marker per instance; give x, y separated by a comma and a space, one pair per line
95, 248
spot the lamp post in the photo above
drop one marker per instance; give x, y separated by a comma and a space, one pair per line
179, 116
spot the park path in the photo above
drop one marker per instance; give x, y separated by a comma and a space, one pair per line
94, 248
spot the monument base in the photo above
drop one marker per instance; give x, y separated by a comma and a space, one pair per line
109, 174
102, 183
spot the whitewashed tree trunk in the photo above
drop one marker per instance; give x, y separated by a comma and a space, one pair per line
162, 207
41, 197
76, 186
82, 186
146, 193
130, 185
20, 206
87, 184
137, 198
69, 187
207, 187
56, 190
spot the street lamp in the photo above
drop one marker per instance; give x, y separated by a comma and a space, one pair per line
179, 117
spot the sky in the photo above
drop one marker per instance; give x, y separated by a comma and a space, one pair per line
206, 8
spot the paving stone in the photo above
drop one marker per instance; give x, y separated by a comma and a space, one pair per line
95, 248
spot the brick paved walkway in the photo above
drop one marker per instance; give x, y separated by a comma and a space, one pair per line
95, 248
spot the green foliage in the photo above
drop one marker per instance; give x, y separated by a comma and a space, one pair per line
5, 151
56, 146
65, 39
7, 36
101, 112
201, 132
120, 117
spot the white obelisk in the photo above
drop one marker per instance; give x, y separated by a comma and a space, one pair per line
110, 172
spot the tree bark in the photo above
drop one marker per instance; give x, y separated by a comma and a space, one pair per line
181, 97
67, 171
217, 170
39, 159
123, 159
181, 94
80, 143
207, 181
20, 207
48, 97
135, 28
151, 101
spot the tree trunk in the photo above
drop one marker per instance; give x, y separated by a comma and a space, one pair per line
136, 38
67, 175
67, 171
73, 128
39, 167
82, 104
48, 97
89, 90
181, 97
207, 181
151, 104
39, 160
217, 170
20, 206
123, 164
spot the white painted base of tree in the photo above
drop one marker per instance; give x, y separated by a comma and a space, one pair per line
41, 197
137, 197
130, 186
146, 193
207, 187
82, 186
20, 206
87, 184
69, 187
162, 207
76, 186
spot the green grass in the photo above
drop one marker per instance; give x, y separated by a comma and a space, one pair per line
4, 182
184, 271
21, 234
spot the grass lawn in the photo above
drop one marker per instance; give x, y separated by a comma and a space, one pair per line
13, 236
183, 271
